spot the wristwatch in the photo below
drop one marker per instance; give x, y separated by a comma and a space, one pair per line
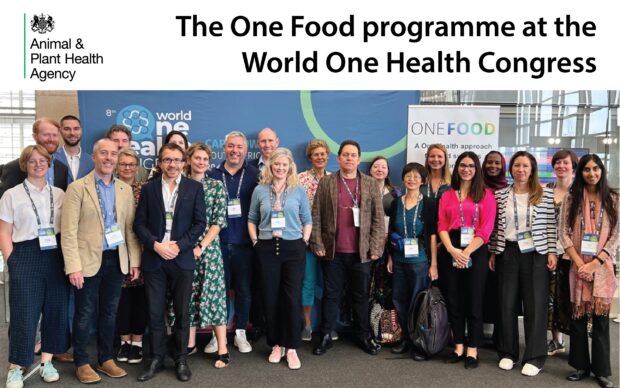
599, 260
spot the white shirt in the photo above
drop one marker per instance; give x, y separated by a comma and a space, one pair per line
16, 209
74, 162
168, 197
511, 232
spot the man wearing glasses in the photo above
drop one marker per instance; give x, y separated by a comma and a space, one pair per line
348, 231
170, 217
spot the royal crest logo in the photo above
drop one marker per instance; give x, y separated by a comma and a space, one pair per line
42, 23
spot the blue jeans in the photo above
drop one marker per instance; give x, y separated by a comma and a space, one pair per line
103, 289
407, 282
238, 276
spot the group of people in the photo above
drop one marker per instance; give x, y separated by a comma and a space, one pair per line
100, 244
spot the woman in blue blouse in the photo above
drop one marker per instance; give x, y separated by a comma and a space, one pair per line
413, 248
279, 224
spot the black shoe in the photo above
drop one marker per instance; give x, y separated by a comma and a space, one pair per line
418, 356
370, 346
471, 362
182, 371
453, 358
604, 382
256, 333
135, 355
123, 352
402, 348
324, 343
192, 350
578, 375
154, 368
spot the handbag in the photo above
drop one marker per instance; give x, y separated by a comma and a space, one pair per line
384, 324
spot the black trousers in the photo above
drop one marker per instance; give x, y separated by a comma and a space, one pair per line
346, 268
179, 282
282, 265
525, 275
131, 316
464, 292
579, 357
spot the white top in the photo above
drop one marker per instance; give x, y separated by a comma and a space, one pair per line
511, 233
74, 162
168, 197
16, 209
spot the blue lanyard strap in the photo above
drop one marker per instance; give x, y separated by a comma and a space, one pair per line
599, 223
415, 215
354, 198
36, 213
103, 212
527, 216
238, 188
272, 190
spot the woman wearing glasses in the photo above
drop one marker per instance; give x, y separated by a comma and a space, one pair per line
131, 316
466, 219
29, 225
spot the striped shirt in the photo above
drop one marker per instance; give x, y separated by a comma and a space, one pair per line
543, 225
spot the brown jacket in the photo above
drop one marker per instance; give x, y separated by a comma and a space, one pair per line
324, 211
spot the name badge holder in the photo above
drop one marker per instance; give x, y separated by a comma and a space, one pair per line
411, 247
589, 241
278, 221
233, 205
524, 239
467, 232
355, 208
46, 235
113, 235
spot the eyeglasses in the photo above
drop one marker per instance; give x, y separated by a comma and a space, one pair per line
41, 162
128, 165
170, 161
464, 166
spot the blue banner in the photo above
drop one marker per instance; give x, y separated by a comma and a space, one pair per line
376, 119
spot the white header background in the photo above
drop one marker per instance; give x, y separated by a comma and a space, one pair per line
143, 48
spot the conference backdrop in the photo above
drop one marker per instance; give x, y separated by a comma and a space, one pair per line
376, 119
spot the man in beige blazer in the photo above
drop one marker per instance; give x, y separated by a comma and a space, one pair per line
99, 246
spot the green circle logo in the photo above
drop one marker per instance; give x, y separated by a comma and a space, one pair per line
305, 97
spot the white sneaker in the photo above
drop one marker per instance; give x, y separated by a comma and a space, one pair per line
506, 364
277, 353
529, 370
15, 378
48, 373
241, 342
211, 346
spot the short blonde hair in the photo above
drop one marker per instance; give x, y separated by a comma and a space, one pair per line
37, 124
314, 144
27, 154
266, 176
128, 152
192, 150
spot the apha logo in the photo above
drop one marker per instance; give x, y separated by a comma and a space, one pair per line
42, 23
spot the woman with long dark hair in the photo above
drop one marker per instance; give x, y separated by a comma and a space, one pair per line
589, 235
466, 219
522, 253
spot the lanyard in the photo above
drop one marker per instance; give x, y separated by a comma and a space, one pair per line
36, 213
240, 183
461, 211
103, 213
354, 198
599, 223
173, 200
415, 215
429, 189
527, 217
272, 190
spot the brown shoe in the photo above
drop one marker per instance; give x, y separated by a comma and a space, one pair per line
109, 368
63, 357
87, 375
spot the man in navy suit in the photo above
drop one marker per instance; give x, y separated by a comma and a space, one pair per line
44, 132
170, 217
79, 163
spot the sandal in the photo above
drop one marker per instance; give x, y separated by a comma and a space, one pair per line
224, 359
